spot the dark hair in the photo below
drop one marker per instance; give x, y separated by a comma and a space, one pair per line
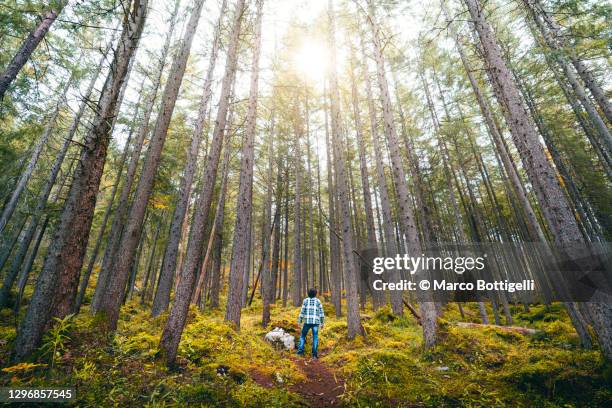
312, 292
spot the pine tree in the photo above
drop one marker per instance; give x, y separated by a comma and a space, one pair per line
56, 286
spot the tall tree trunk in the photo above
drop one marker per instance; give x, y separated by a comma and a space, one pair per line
549, 192
132, 281
557, 42
387, 220
297, 270
377, 299
129, 240
559, 56
175, 324
162, 296
56, 285
311, 263
122, 207
43, 196
355, 207
335, 264
270, 289
406, 215
249, 262
217, 271
350, 268
148, 279
268, 277
11, 205
321, 235
217, 229
244, 211
29, 45
105, 218
286, 240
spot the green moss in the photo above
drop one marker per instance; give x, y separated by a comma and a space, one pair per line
480, 366
207, 394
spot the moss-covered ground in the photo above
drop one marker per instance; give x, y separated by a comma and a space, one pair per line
470, 366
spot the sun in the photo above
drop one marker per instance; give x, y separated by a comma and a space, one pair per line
311, 60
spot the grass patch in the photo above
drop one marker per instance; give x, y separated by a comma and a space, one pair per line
481, 366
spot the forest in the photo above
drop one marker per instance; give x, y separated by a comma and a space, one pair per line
175, 175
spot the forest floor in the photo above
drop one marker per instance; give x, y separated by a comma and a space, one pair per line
219, 367
322, 387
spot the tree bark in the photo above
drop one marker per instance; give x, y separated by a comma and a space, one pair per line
350, 268
122, 207
387, 220
406, 215
268, 278
311, 248
58, 280
149, 280
270, 289
372, 244
11, 205
107, 213
44, 193
335, 273
578, 88
176, 321
162, 296
244, 212
557, 42
28, 46
296, 276
549, 192
285, 291
124, 258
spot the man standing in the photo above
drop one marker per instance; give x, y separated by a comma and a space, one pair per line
312, 316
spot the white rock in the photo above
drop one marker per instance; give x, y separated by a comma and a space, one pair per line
280, 338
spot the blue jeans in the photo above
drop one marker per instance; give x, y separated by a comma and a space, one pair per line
315, 338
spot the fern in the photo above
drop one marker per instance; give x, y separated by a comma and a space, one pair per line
56, 339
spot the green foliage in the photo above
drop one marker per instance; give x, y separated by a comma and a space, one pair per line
56, 339
479, 366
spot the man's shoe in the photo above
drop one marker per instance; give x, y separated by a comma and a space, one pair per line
300, 354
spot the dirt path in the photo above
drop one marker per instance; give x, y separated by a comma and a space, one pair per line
321, 388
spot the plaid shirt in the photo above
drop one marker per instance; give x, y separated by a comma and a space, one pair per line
312, 311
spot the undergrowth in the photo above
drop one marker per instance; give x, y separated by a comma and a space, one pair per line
217, 365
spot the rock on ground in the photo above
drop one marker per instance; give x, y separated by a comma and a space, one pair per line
280, 339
